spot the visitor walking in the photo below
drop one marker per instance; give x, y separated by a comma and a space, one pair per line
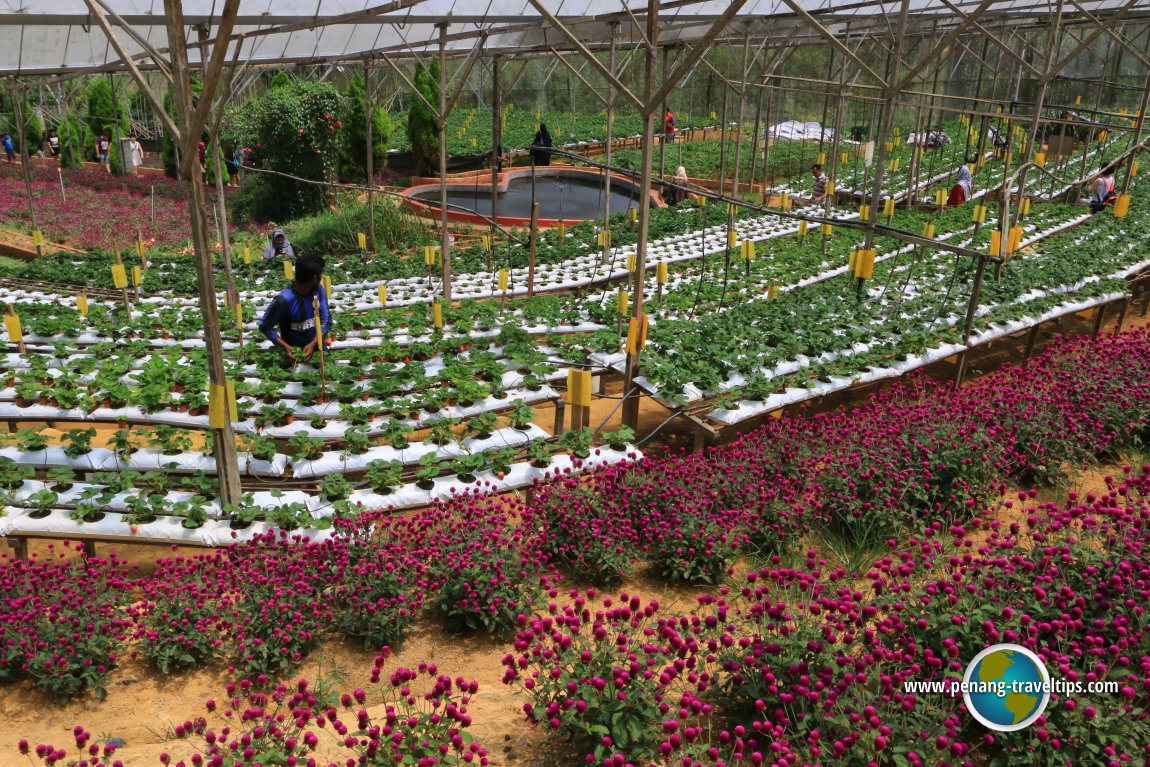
963, 187
290, 320
1104, 193
203, 152
278, 246
669, 126
541, 146
53, 143
136, 152
9, 147
103, 151
819, 190
677, 191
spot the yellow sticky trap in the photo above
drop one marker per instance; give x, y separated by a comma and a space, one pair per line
772, 292
784, 201
578, 387
437, 314
383, 294
864, 264
119, 276
827, 228
15, 329
864, 212
802, 229
978, 216
894, 165
289, 270
38, 238
362, 238
632, 215
621, 302
604, 238
732, 238
1024, 206
1040, 159
222, 404
888, 207
852, 259
561, 230
636, 334
327, 286
485, 242
702, 202
630, 262
890, 146
995, 242
141, 249
1122, 206
845, 158
1013, 239
429, 254
822, 158
661, 273
928, 231
239, 316
830, 188
137, 277
82, 305
474, 143
1133, 169
503, 280
1102, 134
247, 255
748, 250
940, 198
1077, 101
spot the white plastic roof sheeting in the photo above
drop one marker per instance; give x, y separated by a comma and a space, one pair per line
58, 36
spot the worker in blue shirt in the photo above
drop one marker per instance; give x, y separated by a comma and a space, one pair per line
290, 320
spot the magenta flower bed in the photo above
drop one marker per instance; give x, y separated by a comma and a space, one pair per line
801, 662
101, 211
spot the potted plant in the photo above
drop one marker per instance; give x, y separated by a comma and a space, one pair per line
539, 453
318, 422
335, 487
93, 501
618, 440
482, 425
470, 391
62, 478
577, 442
42, 502
143, 508
278, 415
12, 474
78, 442
31, 440
194, 512
170, 440
466, 466
521, 415
427, 472
261, 448
305, 447
501, 460
357, 440
242, 515
441, 432
204, 484
396, 433
384, 476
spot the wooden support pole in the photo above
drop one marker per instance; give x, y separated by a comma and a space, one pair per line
223, 439
606, 256
369, 160
442, 114
631, 404
534, 246
1031, 339
496, 155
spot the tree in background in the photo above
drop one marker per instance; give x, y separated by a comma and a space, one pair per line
353, 162
72, 149
296, 129
422, 128
105, 115
280, 80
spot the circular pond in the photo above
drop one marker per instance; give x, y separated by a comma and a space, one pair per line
568, 194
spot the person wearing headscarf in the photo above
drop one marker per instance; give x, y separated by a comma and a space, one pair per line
677, 192
963, 187
278, 245
540, 146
